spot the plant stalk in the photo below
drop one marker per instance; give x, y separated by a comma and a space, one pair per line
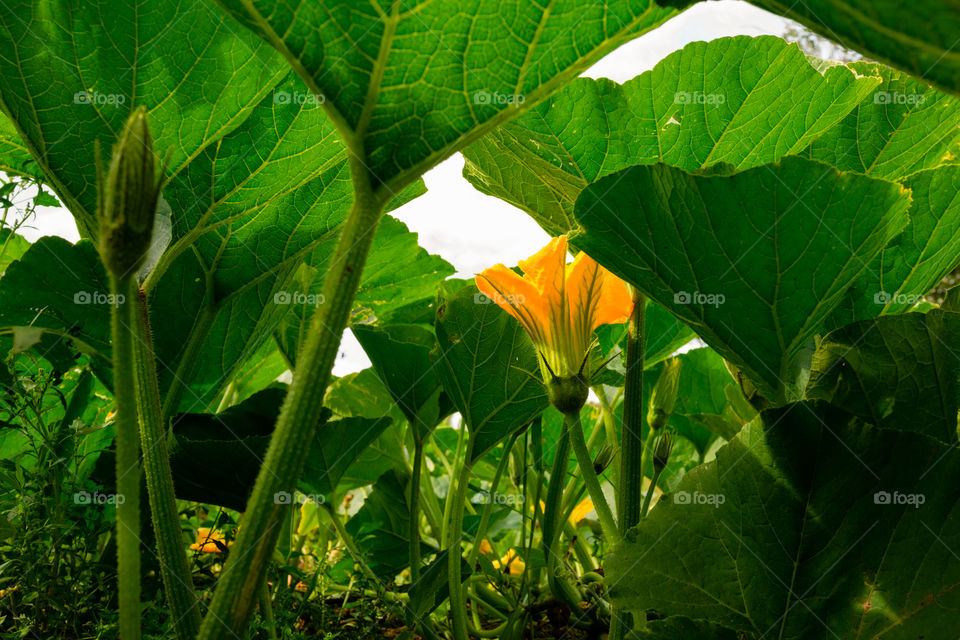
174, 567
585, 462
237, 590
415, 508
128, 457
458, 598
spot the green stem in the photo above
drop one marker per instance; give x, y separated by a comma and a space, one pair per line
415, 508
553, 512
631, 448
585, 462
458, 598
266, 610
128, 457
653, 487
188, 361
488, 507
631, 444
289, 445
174, 567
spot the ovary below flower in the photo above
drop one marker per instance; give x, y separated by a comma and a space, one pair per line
559, 305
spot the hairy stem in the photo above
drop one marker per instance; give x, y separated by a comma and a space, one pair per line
458, 599
128, 457
553, 513
415, 508
163, 502
631, 442
238, 586
585, 462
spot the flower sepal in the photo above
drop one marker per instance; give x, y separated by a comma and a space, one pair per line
568, 394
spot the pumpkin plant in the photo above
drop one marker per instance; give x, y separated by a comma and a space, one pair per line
231, 167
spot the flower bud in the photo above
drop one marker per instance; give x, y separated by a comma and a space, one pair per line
604, 458
128, 198
664, 395
662, 450
568, 394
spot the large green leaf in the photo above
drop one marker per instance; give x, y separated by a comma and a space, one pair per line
73, 70
902, 127
808, 524
899, 371
910, 266
488, 367
918, 37
743, 101
409, 84
753, 261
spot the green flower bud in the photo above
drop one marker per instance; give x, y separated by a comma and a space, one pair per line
604, 458
662, 450
568, 394
128, 198
664, 395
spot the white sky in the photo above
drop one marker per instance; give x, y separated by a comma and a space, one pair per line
473, 231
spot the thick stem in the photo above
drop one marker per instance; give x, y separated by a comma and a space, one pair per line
163, 502
631, 442
458, 599
553, 513
237, 589
585, 462
128, 457
631, 439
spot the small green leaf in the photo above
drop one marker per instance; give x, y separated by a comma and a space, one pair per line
488, 367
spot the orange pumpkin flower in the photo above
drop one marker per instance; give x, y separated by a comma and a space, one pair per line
559, 304
207, 540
